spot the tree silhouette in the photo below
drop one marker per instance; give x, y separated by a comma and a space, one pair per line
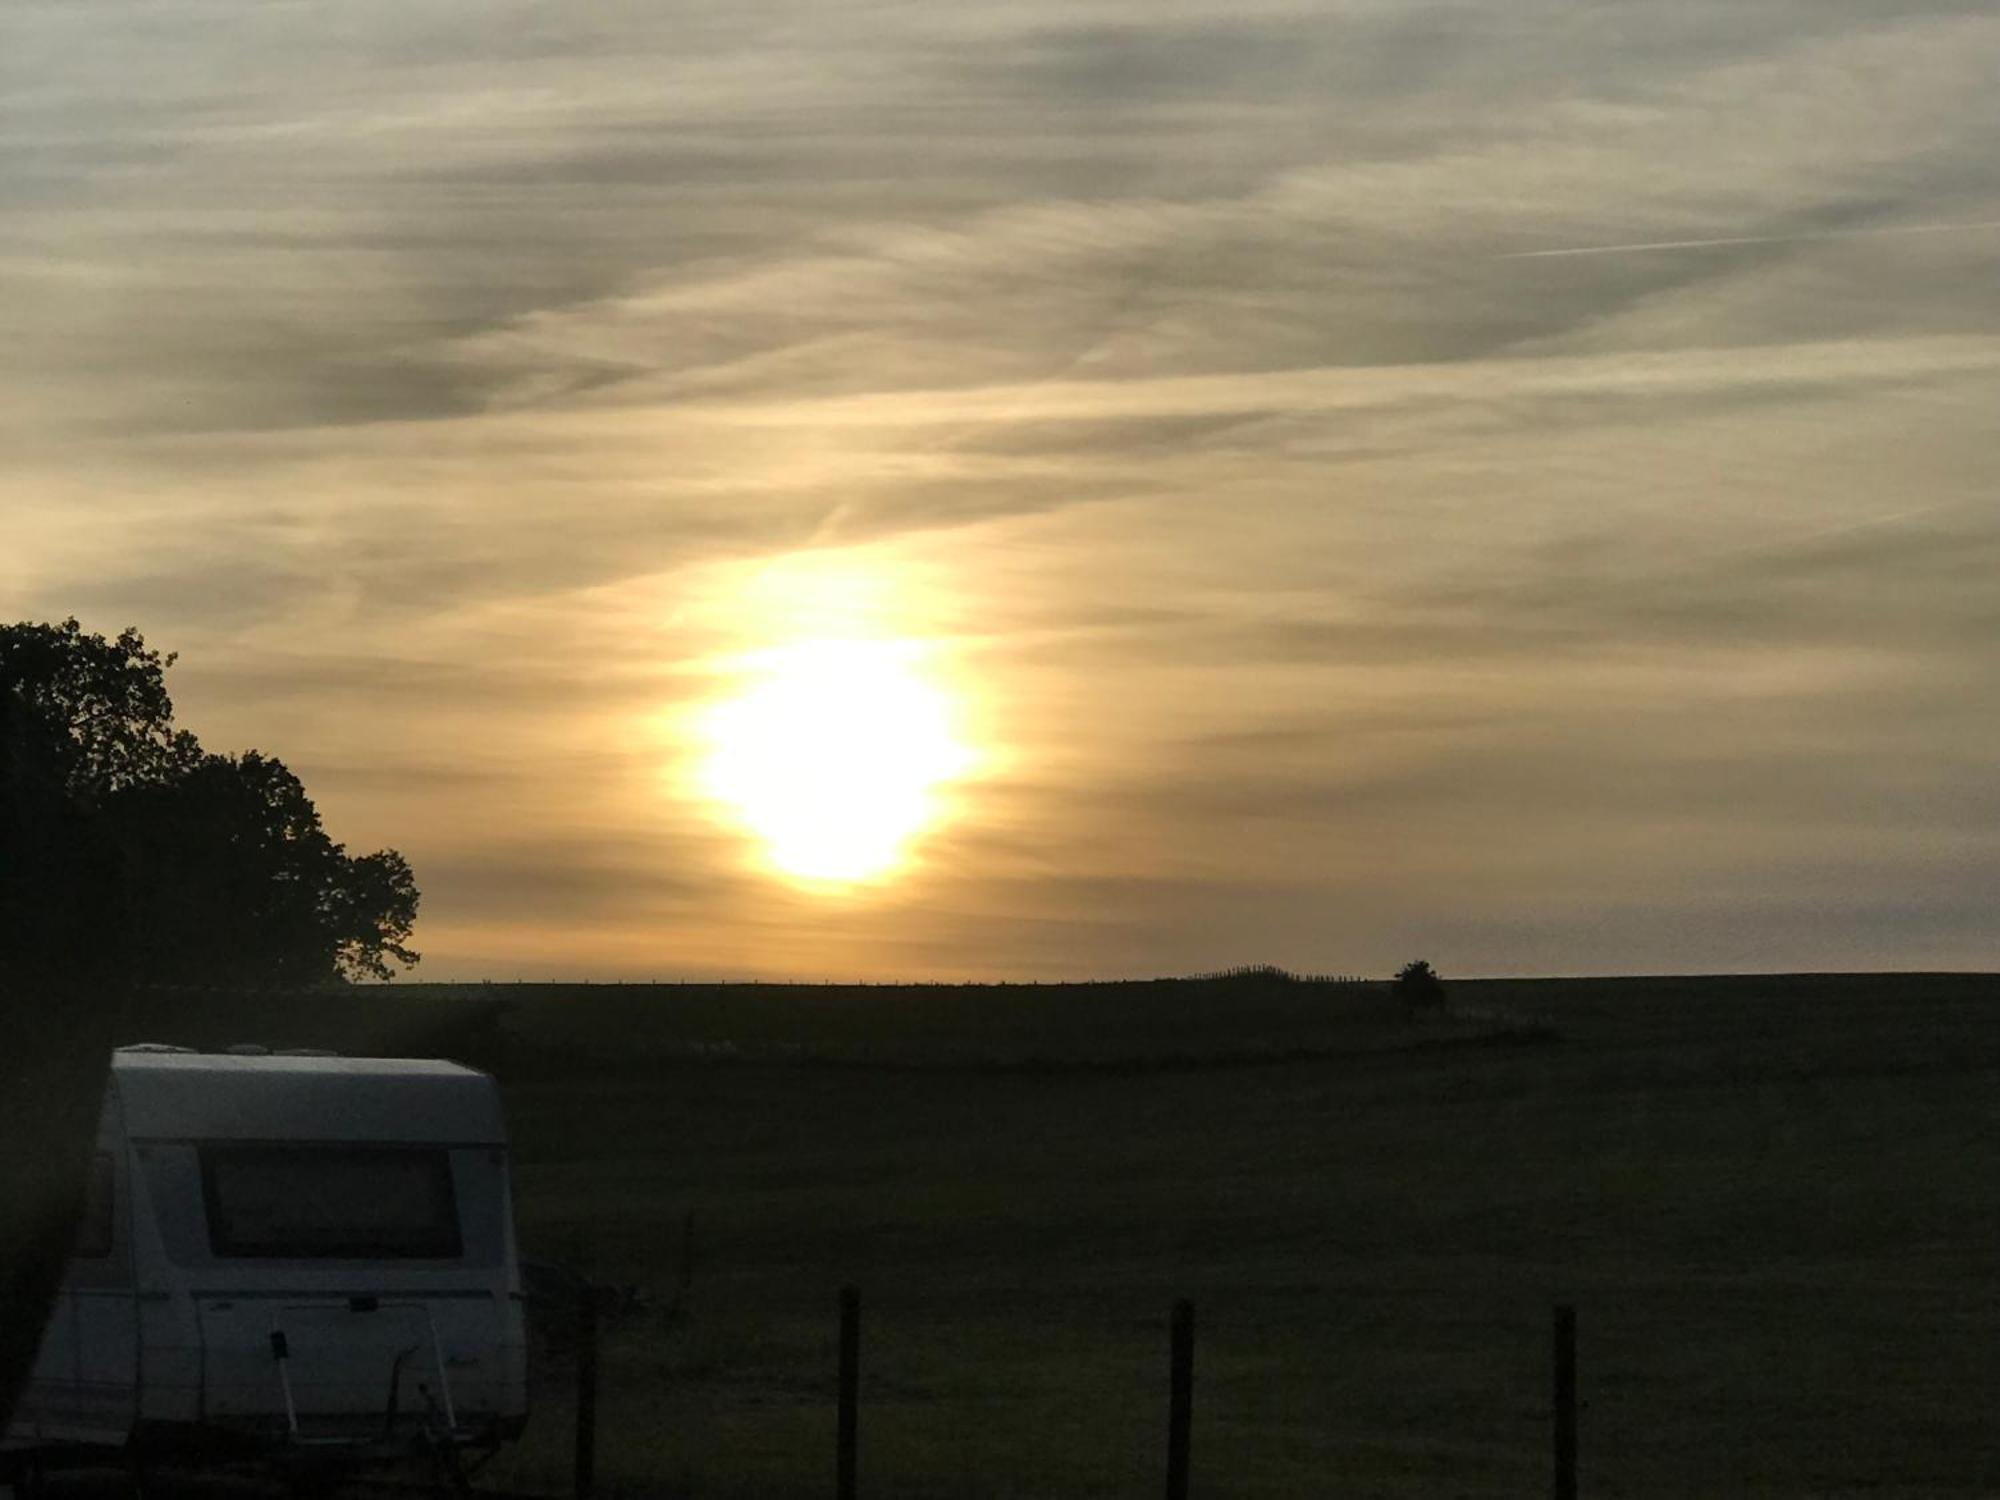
1418, 986
128, 851
82, 720
243, 886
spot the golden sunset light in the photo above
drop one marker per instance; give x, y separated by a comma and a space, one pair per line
837, 721
834, 756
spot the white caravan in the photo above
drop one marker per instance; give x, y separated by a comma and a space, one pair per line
287, 1255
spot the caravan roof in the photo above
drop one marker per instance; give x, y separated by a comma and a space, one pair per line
186, 1096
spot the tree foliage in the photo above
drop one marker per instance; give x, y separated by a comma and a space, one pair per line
126, 848
88, 713
1418, 986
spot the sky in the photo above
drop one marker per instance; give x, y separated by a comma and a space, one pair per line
1314, 484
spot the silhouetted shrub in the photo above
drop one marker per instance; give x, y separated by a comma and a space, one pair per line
1419, 988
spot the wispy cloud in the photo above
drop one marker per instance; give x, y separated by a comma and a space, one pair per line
1507, 473
1650, 246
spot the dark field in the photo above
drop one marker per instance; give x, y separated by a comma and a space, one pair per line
1773, 1202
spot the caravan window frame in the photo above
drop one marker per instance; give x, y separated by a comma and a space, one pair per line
440, 1238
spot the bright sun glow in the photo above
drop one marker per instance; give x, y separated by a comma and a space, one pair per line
834, 755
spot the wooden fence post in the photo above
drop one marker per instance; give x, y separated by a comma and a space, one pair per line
1565, 1403
1180, 1399
586, 1391
850, 1392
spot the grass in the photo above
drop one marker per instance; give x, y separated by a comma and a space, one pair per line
1772, 1201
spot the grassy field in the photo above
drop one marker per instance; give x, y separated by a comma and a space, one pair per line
1773, 1202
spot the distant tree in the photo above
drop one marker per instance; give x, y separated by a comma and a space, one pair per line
1418, 986
128, 850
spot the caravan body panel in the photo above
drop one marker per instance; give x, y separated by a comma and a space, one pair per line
84, 1386
313, 1249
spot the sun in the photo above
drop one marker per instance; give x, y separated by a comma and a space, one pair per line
834, 755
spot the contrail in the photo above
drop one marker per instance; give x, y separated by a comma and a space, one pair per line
1750, 239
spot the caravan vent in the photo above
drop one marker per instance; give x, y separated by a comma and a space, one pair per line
248, 1049
153, 1047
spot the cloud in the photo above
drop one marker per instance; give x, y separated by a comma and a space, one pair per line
424, 372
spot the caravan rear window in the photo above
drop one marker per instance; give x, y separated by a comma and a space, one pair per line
353, 1202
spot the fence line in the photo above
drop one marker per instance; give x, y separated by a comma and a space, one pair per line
1180, 1398
848, 1421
